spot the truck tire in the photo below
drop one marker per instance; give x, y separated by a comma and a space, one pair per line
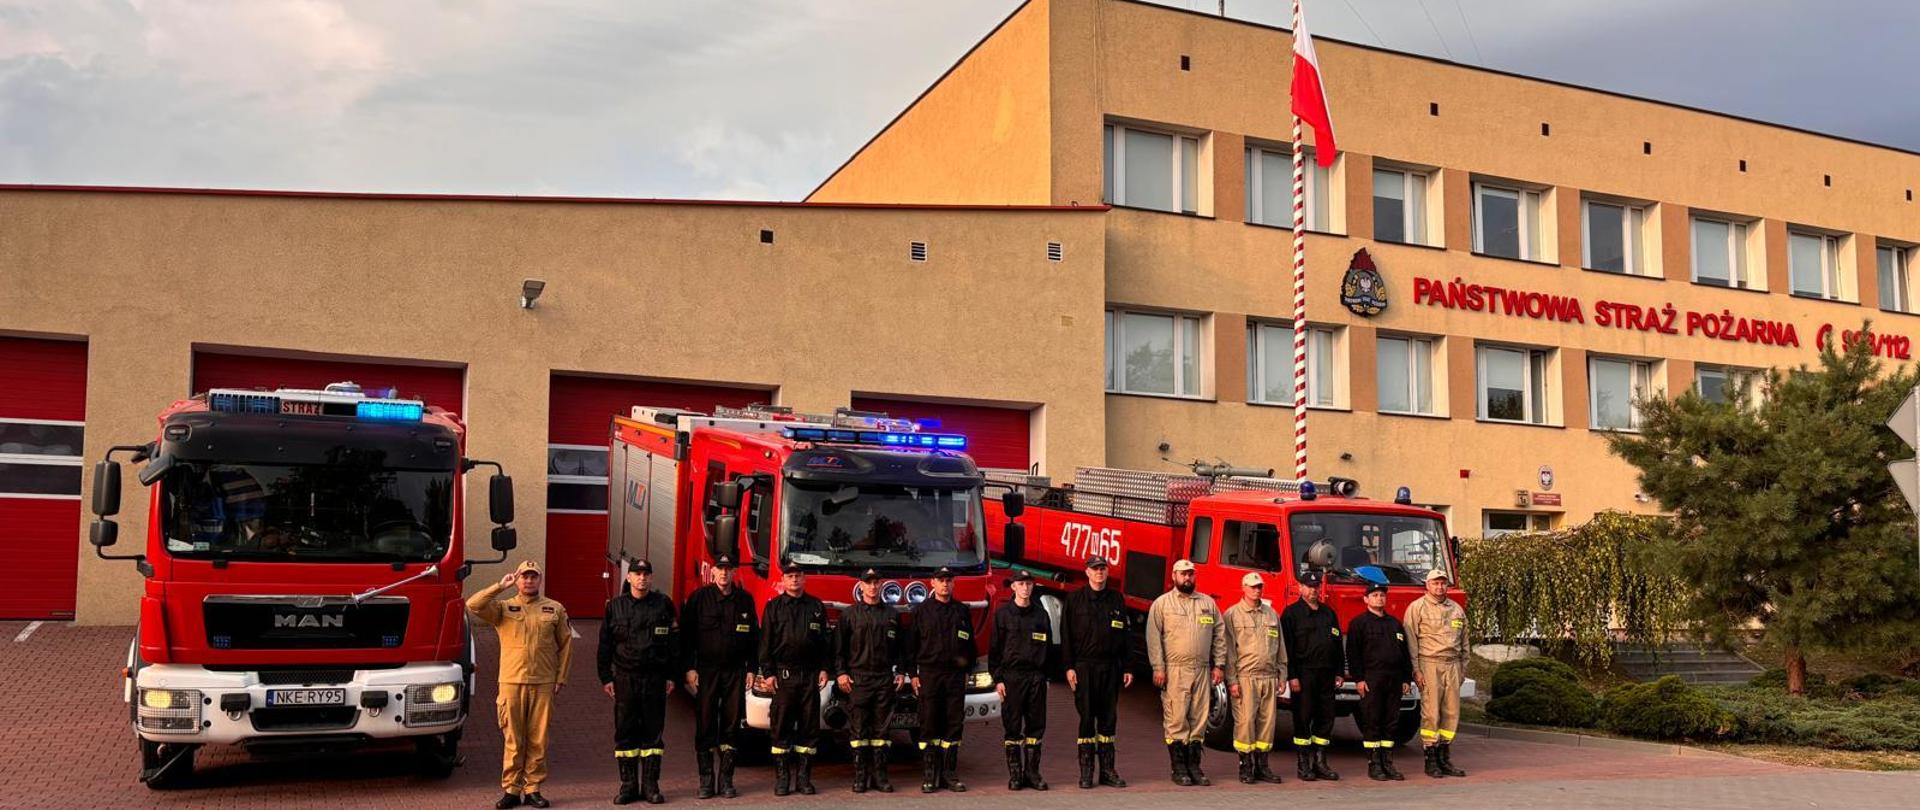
165, 766
1220, 720
435, 757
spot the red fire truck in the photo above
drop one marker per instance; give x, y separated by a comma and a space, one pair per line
303, 569
828, 495
1229, 522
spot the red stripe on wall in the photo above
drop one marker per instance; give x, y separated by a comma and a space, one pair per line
439, 386
43, 379
996, 436
40, 540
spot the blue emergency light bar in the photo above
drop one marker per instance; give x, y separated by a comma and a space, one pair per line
937, 441
390, 411
316, 403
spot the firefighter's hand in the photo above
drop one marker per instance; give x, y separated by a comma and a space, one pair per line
1293, 685
916, 685
1000, 689
845, 683
557, 687
900, 680
669, 687
1126, 679
693, 682
1218, 675
1073, 681
1160, 679
1361, 687
1420, 682
607, 688
770, 683
1405, 689
507, 581
1338, 681
820, 680
1233, 691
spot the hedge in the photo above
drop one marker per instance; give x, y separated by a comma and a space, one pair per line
1667, 709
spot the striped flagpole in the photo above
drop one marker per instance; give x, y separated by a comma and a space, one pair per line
1299, 295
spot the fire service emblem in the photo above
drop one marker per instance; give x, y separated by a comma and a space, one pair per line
1363, 291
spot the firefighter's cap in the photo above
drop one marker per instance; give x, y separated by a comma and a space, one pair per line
1183, 565
723, 561
1096, 561
943, 573
1376, 587
869, 575
1436, 573
1310, 578
1253, 580
527, 567
639, 567
1019, 575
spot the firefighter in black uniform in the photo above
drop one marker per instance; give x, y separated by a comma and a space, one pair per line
1312, 633
1381, 669
867, 659
1093, 645
943, 652
794, 655
722, 639
1017, 660
638, 657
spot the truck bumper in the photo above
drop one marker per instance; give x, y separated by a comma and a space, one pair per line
979, 706
207, 706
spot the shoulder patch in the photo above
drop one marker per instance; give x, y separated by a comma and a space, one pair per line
513, 608
1400, 636
546, 608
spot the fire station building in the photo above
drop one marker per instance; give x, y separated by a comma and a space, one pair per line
1073, 247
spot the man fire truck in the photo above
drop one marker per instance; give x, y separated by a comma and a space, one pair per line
303, 571
1229, 522
828, 495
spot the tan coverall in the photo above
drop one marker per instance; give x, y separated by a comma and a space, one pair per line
1437, 640
536, 646
1257, 663
1185, 639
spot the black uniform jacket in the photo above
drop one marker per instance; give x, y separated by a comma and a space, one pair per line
639, 635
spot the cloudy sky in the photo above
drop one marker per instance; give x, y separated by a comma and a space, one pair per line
759, 98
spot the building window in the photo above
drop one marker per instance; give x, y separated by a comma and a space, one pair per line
1154, 353
1494, 524
1513, 384
1720, 254
41, 458
1722, 384
1613, 239
1270, 365
1400, 206
1270, 190
1896, 292
1405, 366
1613, 386
576, 479
1813, 263
1157, 170
1506, 222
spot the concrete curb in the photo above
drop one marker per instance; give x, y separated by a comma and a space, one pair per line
1588, 741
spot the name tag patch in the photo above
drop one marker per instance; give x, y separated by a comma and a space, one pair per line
660, 631
1336, 631
1273, 632
813, 625
546, 608
965, 635
1039, 636
1206, 620
513, 608
1120, 625
1457, 623
889, 632
742, 628
1399, 636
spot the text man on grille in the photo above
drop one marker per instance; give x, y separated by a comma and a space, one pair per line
1187, 647
639, 658
1017, 660
722, 641
1315, 661
869, 655
1256, 666
943, 654
1093, 646
795, 650
536, 647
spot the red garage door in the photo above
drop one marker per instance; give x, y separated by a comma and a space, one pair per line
43, 411
579, 413
996, 437
444, 387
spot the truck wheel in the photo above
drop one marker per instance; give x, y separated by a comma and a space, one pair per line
1407, 726
435, 757
165, 766
1220, 720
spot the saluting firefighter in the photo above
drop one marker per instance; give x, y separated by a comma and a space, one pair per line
795, 650
1017, 660
536, 647
1187, 647
639, 657
1437, 640
1314, 663
1093, 646
943, 654
868, 658
1381, 670
719, 651
1256, 666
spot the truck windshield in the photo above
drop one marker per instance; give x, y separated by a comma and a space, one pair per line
1401, 547
306, 512
856, 526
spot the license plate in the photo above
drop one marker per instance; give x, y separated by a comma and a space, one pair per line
306, 697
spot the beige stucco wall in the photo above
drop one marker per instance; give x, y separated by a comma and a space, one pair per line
679, 291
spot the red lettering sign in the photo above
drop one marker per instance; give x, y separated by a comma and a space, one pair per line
292, 408
1546, 499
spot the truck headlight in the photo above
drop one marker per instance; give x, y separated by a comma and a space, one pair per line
169, 711
980, 680
156, 698
445, 693
432, 704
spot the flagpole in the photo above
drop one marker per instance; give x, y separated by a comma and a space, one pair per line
1299, 294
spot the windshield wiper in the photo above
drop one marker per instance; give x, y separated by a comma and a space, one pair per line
371, 593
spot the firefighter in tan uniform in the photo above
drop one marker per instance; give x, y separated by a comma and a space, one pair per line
1256, 666
1187, 646
536, 645
1437, 640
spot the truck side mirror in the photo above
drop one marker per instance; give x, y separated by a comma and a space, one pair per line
727, 495
106, 490
726, 532
1014, 545
1014, 504
103, 533
500, 499
505, 538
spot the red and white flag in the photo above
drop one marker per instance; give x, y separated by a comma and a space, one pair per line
1309, 94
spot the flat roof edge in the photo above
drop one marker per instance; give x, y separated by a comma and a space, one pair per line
528, 198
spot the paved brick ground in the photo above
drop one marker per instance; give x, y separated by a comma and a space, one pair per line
65, 741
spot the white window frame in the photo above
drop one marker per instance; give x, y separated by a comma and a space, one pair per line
1527, 209
1633, 231
1902, 287
1413, 206
579, 479
1534, 407
1116, 148
1640, 375
1833, 287
1536, 522
1415, 379
1116, 374
1320, 394
43, 460
1731, 377
1318, 184
1740, 276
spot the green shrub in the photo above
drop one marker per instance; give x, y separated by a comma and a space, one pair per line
1512, 674
1767, 715
1546, 701
1776, 678
1667, 709
1872, 684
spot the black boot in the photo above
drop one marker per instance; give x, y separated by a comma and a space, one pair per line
507, 800
1303, 766
862, 768
1016, 766
950, 772
1386, 764
650, 780
724, 765
1433, 762
1262, 769
1033, 767
930, 763
1321, 770
1246, 768
1376, 771
877, 768
1446, 760
703, 760
534, 799
782, 774
803, 775
1084, 756
1177, 757
1194, 750
1109, 776
629, 781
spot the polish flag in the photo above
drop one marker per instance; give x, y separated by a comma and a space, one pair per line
1309, 95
